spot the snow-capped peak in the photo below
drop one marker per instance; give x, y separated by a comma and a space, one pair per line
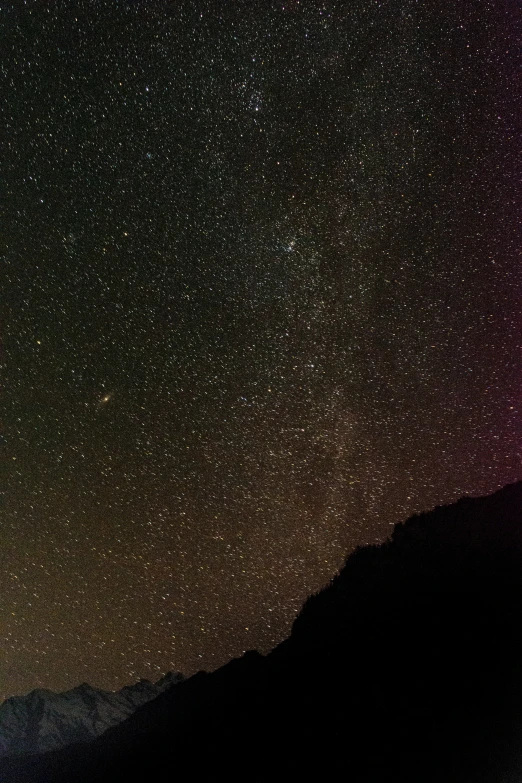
43, 720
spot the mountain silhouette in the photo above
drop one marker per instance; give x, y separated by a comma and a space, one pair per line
406, 667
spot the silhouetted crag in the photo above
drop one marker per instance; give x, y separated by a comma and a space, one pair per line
406, 668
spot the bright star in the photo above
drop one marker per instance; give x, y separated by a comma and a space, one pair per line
105, 399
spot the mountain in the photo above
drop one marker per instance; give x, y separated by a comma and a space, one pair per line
43, 721
406, 667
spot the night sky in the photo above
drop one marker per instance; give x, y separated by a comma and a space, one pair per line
261, 299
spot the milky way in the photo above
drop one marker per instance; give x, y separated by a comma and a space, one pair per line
261, 300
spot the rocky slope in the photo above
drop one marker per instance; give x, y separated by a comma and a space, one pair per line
43, 720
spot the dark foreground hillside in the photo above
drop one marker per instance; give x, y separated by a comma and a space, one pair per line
408, 667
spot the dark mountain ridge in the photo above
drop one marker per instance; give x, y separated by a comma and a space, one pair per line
407, 667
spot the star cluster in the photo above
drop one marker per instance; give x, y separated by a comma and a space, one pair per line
261, 301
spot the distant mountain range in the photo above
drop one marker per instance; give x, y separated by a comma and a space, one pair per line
44, 721
407, 667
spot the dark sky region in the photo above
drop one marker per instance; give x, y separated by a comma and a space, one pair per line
261, 300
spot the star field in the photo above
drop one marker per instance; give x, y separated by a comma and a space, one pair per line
261, 274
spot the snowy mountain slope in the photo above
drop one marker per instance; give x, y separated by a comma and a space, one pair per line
43, 720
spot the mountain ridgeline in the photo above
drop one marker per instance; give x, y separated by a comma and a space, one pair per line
43, 720
407, 667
